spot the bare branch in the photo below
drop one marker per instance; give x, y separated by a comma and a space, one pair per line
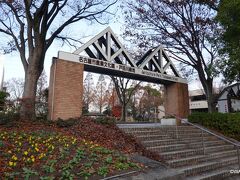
69, 41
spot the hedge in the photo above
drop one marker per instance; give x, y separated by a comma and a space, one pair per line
225, 123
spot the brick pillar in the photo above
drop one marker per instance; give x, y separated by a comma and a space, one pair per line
65, 90
177, 100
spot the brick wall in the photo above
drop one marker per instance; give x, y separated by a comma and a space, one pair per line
177, 99
65, 90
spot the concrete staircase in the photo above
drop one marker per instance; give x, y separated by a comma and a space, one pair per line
184, 151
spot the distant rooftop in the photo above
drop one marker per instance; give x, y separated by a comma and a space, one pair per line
196, 92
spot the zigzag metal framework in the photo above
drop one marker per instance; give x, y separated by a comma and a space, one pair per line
154, 66
106, 46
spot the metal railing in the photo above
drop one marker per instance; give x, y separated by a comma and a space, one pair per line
236, 145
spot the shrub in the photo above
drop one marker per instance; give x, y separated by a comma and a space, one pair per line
3, 97
226, 123
105, 120
66, 123
6, 117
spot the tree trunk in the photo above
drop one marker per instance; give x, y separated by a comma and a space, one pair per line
210, 96
208, 89
100, 109
27, 111
124, 112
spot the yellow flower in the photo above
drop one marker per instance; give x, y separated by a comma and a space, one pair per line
14, 157
40, 156
25, 153
33, 159
36, 149
10, 163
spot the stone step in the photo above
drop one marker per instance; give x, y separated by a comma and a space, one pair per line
201, 158
185, 153
165, 128
195, 137
152, 137
192, 142
172, 134
173, 131
192, 135
206, 138
219, 148
207, 166
206, 143
221, 173
149, 143
227, 153
185, 161
168, 148
181, 154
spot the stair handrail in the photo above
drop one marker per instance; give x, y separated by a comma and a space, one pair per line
237, 145
203, 129
212, 133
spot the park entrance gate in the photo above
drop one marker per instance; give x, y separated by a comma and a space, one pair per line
106, 55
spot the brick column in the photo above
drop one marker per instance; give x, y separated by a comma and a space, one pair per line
177, 100
65, 90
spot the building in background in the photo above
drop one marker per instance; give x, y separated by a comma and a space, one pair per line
229, 99
197, 101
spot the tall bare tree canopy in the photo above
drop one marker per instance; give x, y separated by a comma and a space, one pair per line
31, 27
125, 88
88, 92
100, 93
186, 28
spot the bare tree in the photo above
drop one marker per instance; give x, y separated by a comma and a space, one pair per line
124, 91
101, 94
14, 87
31, 27
186, 28
88, 91
42, 96
149, 102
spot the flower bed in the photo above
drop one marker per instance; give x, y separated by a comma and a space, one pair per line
50, 154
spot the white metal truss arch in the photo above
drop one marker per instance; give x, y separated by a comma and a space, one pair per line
105, 54
153, 61
106, 46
